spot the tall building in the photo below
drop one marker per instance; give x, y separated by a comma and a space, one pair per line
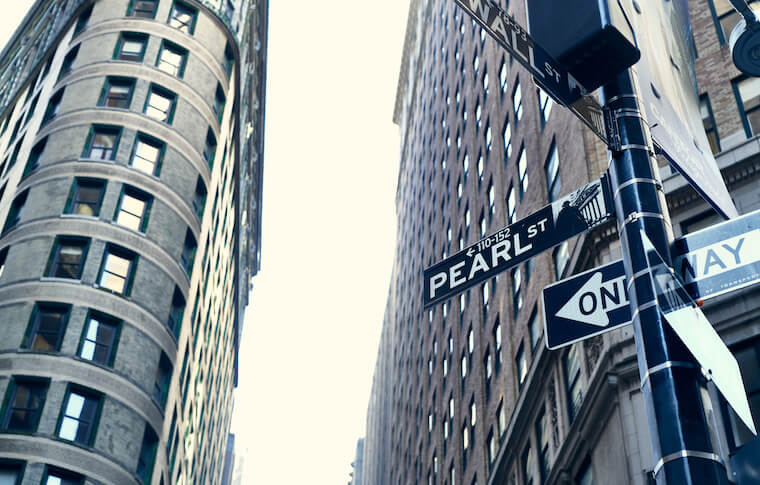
467, 393
131, 137
358, 464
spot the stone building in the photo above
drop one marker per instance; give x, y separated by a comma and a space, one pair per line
467, 393
131, 137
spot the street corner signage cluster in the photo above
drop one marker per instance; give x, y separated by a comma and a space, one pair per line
549, 73
586, 304
569, 216
720, 258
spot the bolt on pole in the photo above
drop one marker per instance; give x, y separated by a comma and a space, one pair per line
671, 381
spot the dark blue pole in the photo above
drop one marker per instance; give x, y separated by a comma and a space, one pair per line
671, 382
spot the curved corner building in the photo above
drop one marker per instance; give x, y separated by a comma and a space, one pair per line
130, 187
467, 393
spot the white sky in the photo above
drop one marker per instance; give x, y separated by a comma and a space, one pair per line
330, 168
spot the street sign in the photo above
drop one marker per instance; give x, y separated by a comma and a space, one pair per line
547, 72
586, 304
569, 216
710, 262
669, 95
720, 258
698, 335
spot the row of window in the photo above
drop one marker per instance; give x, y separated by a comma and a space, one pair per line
12, 473
77, 422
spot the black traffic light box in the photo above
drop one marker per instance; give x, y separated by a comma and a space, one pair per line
591, 38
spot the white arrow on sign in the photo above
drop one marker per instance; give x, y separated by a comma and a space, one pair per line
591, 303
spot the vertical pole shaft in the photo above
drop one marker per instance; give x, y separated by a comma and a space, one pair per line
671, 382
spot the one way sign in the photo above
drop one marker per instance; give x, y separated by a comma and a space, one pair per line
587, 304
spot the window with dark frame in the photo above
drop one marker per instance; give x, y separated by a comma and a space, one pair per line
86, 197
188, 251
59, 476
528, 466
34, 156
542, 441
522, 172
143, 8
163, 379
11, 472
160, 104
68, 62
183, 17
545, 104
102, 143
67, 260
17, 207
561, 256
47, 326
131, 47
517, 102
747, 92
708, 122
176, 312
511, 205
572, 367
117, 92
210, 148
99, 338
748, 356
79, 415
117, 269
147, 455
171, 59
83, 20
3, 259
521, 362
52, 108
517, 299
25, 398
199, 200
229, 60
147, 154
133, 208
219, 102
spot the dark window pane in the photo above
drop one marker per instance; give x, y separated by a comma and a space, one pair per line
25, 405
144, 8
68, 258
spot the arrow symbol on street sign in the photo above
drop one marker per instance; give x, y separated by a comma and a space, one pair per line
592, 302
470, 252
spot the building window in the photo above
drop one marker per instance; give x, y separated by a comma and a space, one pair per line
133, 209
102, 143
561, 257
491, 199
503, 76
58, 476
517, 102
117, 92
68, 62
160, 104
491, 440
11, 472
131, 47
188, 251
551, 168
586, 474
25, 398
183, 17
219, 102
147, 454
99, 339
522, 365
708, 121
176, 312
747, 91
34, 157
497, 343
534, 329
3, 259
542, 439
46, 327
17, 207
501, 419
147, 154
86, 197
229, 60
143, 8
82, 21
199, 200
511, 205
172, 59
572, 367
79, 416
163, 379
528, 467
545, 104
52, 108
522, 172
67, 259
117, 270
209, 149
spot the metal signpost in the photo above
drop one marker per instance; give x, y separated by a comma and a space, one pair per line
595, 301
569, 216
